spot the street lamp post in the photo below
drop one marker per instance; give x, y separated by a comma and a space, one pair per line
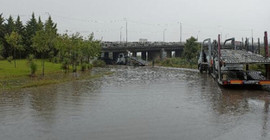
121, 34
126, 31
164, 35
198, 35
180, 31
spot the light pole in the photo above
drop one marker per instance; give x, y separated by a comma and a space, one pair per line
198, 35
121, 34
252, 40
220, 29
126, 30
164, 35
180, 31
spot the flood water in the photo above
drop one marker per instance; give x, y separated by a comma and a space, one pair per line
141, 103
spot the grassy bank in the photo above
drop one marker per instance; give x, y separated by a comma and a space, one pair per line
16, 78
7, 69
176, 62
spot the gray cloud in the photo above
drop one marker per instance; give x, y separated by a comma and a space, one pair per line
149, 18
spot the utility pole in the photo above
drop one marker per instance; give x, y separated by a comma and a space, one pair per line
126, 32
121, 34
259, 46
198, 35
180, 33
252, 46
242, 43
164, 35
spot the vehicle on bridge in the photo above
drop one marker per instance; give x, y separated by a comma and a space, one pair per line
229, 64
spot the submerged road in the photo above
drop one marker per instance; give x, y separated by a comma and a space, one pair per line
140, 103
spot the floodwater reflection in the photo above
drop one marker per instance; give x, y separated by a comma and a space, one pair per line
136, 103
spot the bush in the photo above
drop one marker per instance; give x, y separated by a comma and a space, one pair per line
99, 63
167, 62
1, 57
33, 67
9, 59
83, 66
55, 60
90, 66
65, 64
32, 64
178, 62
30, 58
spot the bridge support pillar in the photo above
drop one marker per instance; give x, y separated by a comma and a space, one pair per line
169, 54
163, 54
115, 55
178, 53
143, 55
153, 55
106, 55
134, 54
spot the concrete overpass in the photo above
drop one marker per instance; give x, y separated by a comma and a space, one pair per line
148, 50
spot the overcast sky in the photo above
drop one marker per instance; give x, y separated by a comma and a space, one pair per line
149, 18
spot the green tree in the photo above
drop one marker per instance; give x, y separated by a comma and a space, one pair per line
40, 24
1, 50
2, 28
10, 25
14, 40
31, 29
8, 28
19, 28
76, 53
191, 49
2, 33
40, 43
93, 47
44, 41
51, 27
63, 46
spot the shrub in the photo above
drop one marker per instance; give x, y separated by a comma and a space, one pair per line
32, 64
9, 59
65, 64
90, 66
30, 58
99, 63
83, 66
33, 67
55, 60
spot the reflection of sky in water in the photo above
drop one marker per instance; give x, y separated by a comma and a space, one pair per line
136, 103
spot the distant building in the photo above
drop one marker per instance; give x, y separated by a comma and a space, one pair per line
143, 40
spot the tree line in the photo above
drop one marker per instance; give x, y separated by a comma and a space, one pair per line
41, 40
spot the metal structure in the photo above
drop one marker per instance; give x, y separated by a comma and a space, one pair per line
204, 62
229, 63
